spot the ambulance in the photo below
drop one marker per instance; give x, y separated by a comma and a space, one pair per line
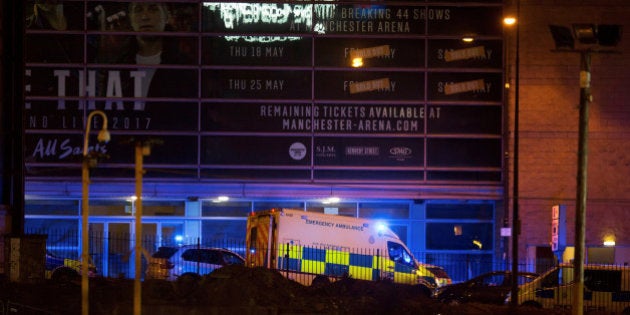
315, 248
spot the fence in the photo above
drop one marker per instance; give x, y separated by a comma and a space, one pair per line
113, 253
607, 287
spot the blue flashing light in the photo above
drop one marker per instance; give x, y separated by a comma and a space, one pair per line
179, 238
381, 227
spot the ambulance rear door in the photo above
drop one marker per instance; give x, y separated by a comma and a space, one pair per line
261, 247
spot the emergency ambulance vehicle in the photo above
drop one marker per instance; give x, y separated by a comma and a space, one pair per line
314, 248
606, 289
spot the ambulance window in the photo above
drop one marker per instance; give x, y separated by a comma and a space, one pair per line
253, 232
551, 280
566, 275
399, 254
602, 280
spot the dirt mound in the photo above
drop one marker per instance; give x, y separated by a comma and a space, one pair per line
239, 288
238, 285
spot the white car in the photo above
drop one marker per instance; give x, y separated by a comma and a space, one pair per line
173, 262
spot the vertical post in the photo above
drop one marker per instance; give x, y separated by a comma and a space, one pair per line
12, 115
137, 288
85, 255
580, 203
378, 263
103, 136
269, 250
516, 227
198, 262
286, 260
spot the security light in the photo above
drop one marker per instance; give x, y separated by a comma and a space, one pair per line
608, 34
585, 33
562, 36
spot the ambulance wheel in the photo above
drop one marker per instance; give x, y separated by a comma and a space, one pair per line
320, 281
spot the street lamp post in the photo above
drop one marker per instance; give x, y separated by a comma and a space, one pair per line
142, 149
88, 161
591, 37
514, 21
516, 226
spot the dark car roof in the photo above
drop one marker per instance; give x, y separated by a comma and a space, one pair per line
523, 273
526, 274
167, 252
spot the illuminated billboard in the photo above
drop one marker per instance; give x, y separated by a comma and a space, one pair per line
267, 91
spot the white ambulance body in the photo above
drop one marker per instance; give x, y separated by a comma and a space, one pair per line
310, 247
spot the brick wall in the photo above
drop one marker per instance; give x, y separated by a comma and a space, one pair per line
548, 125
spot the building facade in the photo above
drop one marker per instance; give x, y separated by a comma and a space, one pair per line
260, 102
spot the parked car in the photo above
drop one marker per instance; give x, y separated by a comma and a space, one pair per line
606, 289
489, 288
173, 262
64, 269
440, 275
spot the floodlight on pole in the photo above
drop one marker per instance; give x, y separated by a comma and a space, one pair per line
589, 39
88, 162
515, 229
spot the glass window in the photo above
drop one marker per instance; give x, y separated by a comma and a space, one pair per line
399, 254
126, 207
232, 259
492, 280
480, 211
552, 279
401, 231
60, 232
110, 207
222, 231
171, 232
164, 208
602, 280
202, 256
524, 279
475, 236
384, 210
345, 209
51, 207
266, 205
225, 209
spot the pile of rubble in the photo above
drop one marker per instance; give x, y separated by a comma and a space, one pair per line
238, 289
